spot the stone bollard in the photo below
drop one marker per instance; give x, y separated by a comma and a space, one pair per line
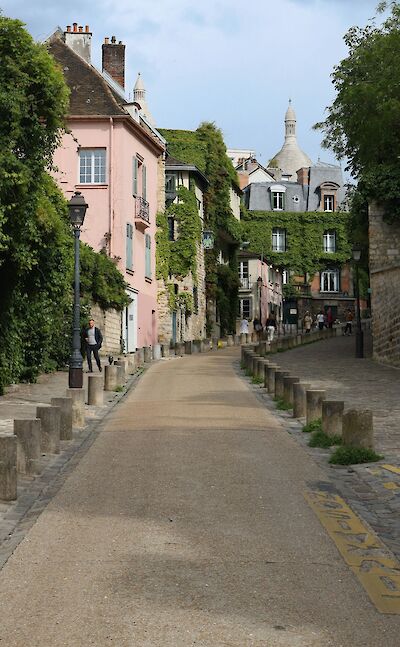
229, 340
96, 390
139, 357
65, 406
27, 433
8, 468
203, 346
254, 367
147, 354
279, 375
50, 419
358, 428
188, 347
120, 375
121, 364
196, 346
243, 338
300, 399
165, 350
261, 364
214, 342
110, 377
249, 359
269, 381
179, 349
288, 383
314, 399
237, 340
78, 406
332, 417
273, 346
156, 351
131, 359
299, 340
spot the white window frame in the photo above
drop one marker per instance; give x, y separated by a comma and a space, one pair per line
244, 275
241, 310
87, 172
330, 279
278, 197
278, 239
329, 202
330, 241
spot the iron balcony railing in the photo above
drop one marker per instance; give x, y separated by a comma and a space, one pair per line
142, 210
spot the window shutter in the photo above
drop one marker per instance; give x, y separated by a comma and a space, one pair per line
129, 246
144, 182
147, 268
283, 201
134, 176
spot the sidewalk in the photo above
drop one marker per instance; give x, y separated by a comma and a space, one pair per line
185, 524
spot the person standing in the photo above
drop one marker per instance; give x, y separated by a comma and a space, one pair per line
93, 341
320, 320
307, 322
244, 326
349, 322
271, 326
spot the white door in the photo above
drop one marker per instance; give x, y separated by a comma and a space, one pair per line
130, 324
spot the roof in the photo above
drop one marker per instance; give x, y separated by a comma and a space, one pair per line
173, 164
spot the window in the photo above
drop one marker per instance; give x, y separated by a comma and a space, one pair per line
278, 201
147, 259
329, 202
278, 240
135, 166
285, 277
144, 182
329, 242
92, 166
129, 246
244, 274
330, 281
170, 183
245, 308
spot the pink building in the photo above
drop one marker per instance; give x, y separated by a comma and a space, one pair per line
114, 156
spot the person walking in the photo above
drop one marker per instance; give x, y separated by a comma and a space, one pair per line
307, 321
271, 326
93, 341
320, 320
329, 318
349, 323
244, 326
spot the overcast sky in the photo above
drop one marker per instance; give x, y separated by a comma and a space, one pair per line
232, 62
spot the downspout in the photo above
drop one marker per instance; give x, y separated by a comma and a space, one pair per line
111, 187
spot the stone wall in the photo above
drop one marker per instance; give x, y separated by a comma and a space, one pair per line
109, 322
384, 260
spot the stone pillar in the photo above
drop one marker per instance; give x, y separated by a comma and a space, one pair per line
270, 378
254, 366
65, 406
358, 428
27, 433
139, 356
279, 375
122, 364
229, 340
8, 468
248, 338
188, 347
314, 400
110, 377
165, 350
120, 375
131, 359
237, 340
196, 346
78, 406
96, 389
299, 399
261, 364
332, 415
147, 354
288, 383
273, 346
215, 343
50, 418
156, 351
249, 359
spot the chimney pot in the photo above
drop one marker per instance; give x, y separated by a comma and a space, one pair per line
106, 41
75, 26
68, 27
80, 29
87, 28
113, 39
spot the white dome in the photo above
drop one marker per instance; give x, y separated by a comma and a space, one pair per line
291, 158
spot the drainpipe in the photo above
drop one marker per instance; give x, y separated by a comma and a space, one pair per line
111, 187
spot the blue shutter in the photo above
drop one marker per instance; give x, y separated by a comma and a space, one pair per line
129, 246
134, 176
147, 268
144, 182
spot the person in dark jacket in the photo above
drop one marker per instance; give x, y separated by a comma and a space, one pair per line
93, 341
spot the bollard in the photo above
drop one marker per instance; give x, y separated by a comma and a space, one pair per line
165, 350
299, 399
332, 417
123, 365
254, 366
237, 340
273, 346
131, 359
261, 364
229, 340
78, 406
249, 359
196, 346
27, 433
8, 468
203, 346
188, 347
139, 357
147, 354
95, 388
358, 428
156, 351
50, 418
314, 399
279, 375
270, 381
120, 375
110, 377
179, 349
288, 383
65, 406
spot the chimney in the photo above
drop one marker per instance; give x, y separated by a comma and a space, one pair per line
79, 41
113, 60
302, 176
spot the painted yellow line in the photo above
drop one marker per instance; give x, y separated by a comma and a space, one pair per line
367, 556
391, 485
391, 468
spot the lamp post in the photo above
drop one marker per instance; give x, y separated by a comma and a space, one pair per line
77, 210
259, 285
356, 251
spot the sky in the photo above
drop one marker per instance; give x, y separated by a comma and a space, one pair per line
231, 62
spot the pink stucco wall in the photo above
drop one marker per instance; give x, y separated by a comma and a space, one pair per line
112, 205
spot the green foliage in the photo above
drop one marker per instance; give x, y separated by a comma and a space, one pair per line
185, 146
321, 439
227, 295
304, 238
315, 425
282, 405
101, 281
345, 455
362, 122
256, 379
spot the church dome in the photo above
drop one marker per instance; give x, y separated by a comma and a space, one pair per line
290, 158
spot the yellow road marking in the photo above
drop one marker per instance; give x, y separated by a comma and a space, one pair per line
368, 557
392, 468
391, 485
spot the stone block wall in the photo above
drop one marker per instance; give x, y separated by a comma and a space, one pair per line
109, 322
384, 260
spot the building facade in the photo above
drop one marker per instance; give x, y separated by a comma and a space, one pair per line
260, 289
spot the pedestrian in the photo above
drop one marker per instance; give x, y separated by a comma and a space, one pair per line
349, 322
320, 320
257, 327
93, 341
329, 318
271, 326
244, 326
307, 321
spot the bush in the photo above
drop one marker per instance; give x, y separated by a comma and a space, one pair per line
282, 405
353, 455
321, 439
315, 425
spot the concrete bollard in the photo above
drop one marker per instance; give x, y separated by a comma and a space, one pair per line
27, 433
121, 363
196, 346
279, 375
203, 346
300, 399
188, 347
254, 364
214, 341
273, 346
358, 428
65, 406
249, 359
314, 399
179, 349
237, 340
156, 351
120, 375
288, 383
269, 382
165, 350
50, 419
78, 406
332, 417
8, 468
96, 390
261, 364
131, 359
229, 340
139, 357
147, 354
110, 377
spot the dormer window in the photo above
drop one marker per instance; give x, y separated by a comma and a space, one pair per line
329, 202
328, 196
278, 197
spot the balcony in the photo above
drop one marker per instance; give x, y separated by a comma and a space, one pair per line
142, 214
245, 283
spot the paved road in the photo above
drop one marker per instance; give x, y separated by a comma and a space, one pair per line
185, 524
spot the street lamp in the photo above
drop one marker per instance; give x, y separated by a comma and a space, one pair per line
259, 285
77, 210
356, 251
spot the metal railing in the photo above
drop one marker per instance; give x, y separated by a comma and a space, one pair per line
142, 210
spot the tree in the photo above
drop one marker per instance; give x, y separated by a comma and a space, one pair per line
362, 122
